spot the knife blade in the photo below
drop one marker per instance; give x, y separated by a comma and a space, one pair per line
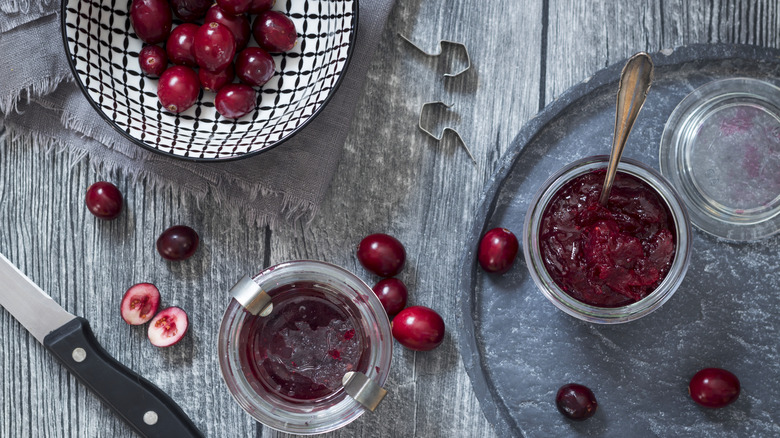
142, 405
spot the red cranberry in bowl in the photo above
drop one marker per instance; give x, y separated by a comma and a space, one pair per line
254, 66
274, 31
178, 88
497, 250
381, 254
151, 20
714, 387
237, 24
259, 6
235, 100
104, 200
211, 81
179, 44
235, 7
153, 61
190, 10
576, 401
392, 293
178, 242
214, 46
418, 328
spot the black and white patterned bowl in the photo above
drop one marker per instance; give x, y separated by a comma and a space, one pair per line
103, 53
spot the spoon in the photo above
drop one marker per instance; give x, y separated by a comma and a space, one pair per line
635, 80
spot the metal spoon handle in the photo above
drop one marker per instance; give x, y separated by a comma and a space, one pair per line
635, 80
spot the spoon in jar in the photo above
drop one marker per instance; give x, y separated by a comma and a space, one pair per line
635, 80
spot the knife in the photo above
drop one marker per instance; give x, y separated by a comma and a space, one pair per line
145, 407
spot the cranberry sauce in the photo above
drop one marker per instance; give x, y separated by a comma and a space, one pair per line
607, 257
301, 351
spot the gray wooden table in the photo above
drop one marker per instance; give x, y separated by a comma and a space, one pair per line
391, 179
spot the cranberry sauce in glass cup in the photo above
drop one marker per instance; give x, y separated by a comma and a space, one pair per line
589, 266
286, 368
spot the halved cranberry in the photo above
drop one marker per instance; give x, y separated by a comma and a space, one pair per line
259, 6
576, 401
212, 81
178, 88
179, 44
274, 31
381, 254
168, 327
190, 10
237, 24
104, 200
392, 293
418, 328
714, 387
140, 303
178, 242
214, 46
235, 7
497, 250
235, 100
151, 20
153, 60
254, 66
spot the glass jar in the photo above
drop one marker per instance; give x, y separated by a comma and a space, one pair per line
579, 309
282, 282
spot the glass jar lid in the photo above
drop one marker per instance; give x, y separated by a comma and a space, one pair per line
721, 150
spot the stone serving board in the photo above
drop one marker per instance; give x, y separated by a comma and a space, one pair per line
519, 349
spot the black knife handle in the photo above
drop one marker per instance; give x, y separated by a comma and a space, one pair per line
133, 398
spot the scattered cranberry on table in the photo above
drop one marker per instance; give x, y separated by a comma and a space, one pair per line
140, 303
381, 254
153, 61
104, 200
178, 88
392, 293
498, 250
576, 401
714, 387
418, 328
168, 327
178, 242
151, 20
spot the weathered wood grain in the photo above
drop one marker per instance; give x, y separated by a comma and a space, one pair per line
392, 179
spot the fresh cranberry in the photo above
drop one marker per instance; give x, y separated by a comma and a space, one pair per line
104, 200
714, 387
211, 81
254, 66
235, 100
153, 60
214, 47
237, 24
178, 242
151, 20
576, 401
418, 328
381, 254
259, 6
274, 31
497, 250
235, 7
190, 10
179, 44
178, 88
140, 303
168, 327
392, 294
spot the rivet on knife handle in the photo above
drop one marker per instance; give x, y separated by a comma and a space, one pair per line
252, 297
364, 390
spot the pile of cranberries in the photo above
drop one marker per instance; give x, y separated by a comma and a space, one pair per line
214, 40
418, 327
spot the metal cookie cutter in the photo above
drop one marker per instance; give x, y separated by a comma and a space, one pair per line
441, 43
446, 128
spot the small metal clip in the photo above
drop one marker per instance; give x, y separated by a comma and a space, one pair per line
441, 42
364, 390
446, 128
251, 297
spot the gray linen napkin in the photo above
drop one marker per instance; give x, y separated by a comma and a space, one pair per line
42, 107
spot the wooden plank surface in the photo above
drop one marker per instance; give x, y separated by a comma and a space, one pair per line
391, 179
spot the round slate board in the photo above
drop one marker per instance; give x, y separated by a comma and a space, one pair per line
519, 349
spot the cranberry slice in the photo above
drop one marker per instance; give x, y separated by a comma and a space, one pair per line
418, 328
151, 20
153, 60
235, 100
274, 31
140, 303
381, 254
714, 387
178, 88
104, 200
168, 327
